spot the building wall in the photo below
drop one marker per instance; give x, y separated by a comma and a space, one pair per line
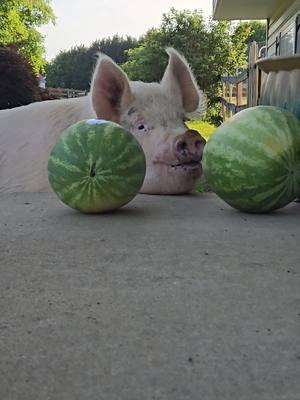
282, 29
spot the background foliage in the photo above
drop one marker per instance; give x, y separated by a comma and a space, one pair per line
73, 68
18, 83
19, 20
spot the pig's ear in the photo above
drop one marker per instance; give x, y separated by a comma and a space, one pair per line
178, 75
110, 90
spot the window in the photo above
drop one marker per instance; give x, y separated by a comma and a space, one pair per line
272, 50
288, 41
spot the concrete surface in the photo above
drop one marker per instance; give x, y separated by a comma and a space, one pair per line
169, 298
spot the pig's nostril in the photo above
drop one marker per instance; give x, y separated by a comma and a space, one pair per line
181, 145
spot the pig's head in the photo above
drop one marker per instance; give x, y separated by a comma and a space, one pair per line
155, 113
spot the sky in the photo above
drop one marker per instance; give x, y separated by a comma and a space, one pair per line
83, 21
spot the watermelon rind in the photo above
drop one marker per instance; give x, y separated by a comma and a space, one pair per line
96, 166
252, 161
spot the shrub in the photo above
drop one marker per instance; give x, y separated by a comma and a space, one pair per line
18, 83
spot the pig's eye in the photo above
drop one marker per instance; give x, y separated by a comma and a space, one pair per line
141, 127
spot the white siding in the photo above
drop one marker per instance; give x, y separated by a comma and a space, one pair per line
283, 22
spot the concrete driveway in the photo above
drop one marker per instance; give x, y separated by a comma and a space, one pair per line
169, 298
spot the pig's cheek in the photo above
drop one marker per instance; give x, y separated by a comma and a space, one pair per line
146, 141
138, 138
158, 170
163, 154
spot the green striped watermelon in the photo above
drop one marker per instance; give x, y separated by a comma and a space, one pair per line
96, 166
252, 161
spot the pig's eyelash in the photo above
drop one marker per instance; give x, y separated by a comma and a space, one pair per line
131, 111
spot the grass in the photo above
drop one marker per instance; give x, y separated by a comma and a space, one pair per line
203, 127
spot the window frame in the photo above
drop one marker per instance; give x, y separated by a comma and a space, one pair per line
297, 34
277, 44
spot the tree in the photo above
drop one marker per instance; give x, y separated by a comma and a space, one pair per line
18, 83
115, 47
243, 34
18, 22
257, 30
69, 69
73, 68
147, 61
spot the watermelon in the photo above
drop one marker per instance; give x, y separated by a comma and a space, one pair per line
96, 166
252, 161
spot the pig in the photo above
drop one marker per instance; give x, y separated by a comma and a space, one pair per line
154, 113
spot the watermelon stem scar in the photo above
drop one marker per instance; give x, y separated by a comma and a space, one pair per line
93, 170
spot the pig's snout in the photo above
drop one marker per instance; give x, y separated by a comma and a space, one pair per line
189, 146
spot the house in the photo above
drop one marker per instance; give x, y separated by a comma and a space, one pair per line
42, 81
283, 17
278, 74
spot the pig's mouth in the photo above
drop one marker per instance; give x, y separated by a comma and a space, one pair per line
191, 168
187, 166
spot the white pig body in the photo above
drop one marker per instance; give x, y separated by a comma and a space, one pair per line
27, 135
153, 112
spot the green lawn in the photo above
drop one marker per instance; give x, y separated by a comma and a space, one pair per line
203, 127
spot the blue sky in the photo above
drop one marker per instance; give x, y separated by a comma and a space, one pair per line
83, 21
